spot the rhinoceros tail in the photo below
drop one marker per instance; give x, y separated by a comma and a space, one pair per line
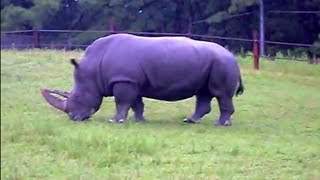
240, 87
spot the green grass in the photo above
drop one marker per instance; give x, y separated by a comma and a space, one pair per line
275, 132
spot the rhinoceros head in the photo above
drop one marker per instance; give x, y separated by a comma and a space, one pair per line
83, 101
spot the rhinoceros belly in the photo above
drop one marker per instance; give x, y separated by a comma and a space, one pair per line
175, 80
169, 90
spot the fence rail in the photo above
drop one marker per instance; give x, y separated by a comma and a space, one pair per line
71, 39
159, 34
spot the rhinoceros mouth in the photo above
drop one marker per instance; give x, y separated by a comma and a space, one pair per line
55, 101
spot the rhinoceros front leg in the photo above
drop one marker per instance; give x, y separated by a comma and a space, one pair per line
138, 109
125, 94
226, 110
203, 107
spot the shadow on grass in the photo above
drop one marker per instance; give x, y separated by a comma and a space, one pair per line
154, 123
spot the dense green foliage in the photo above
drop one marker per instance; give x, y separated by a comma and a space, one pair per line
275, 134
233, 18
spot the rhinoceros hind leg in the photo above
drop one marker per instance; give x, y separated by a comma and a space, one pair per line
138, 109
226, 110
203, 107
125, 94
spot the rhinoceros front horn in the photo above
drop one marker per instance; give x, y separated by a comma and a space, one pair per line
61, 93
53, 100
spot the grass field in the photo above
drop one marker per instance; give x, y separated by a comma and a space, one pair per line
275, 132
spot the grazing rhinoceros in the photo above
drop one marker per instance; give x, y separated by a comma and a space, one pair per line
131, 67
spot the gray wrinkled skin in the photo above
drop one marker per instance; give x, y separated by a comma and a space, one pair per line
130, 67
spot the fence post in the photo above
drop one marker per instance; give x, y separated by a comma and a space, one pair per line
112, 27
190, 25
36, 39
255, 51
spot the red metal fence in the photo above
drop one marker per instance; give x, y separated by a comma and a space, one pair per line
74, 39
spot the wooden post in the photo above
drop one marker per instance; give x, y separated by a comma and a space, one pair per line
111, 27
190, 25
36, 39
255, 51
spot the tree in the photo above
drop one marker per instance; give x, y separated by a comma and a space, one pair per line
232, 18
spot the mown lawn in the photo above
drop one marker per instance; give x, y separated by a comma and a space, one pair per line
275, 132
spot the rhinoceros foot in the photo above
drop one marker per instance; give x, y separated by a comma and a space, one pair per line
138, 118
223, 123
117, 121
189, 120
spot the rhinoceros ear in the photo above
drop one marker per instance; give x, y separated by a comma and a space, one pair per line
74, 62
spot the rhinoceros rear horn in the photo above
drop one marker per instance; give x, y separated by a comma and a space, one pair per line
53, 100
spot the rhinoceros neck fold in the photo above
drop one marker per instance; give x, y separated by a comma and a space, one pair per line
100, 83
